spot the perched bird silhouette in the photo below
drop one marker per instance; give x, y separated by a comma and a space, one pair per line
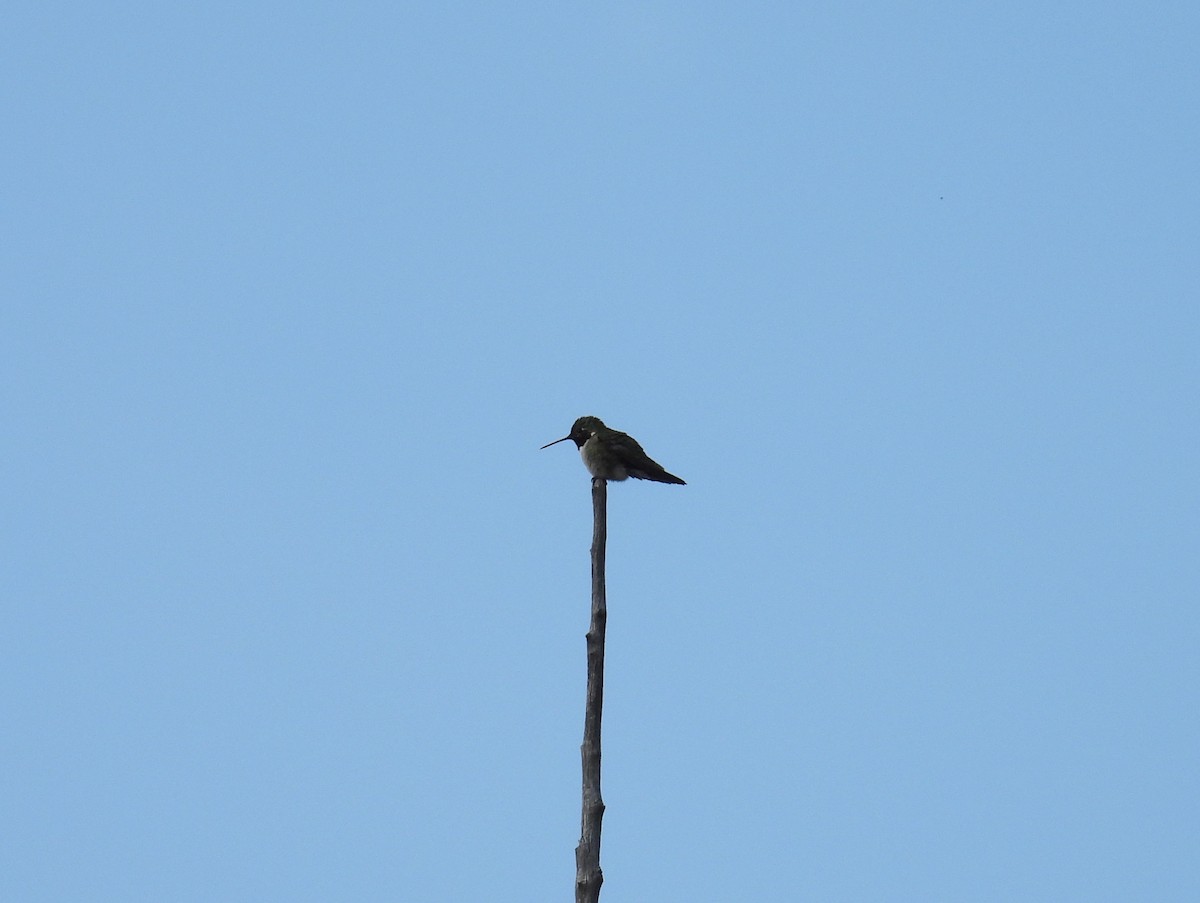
612, 455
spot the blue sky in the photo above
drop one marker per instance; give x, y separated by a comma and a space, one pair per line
294, 607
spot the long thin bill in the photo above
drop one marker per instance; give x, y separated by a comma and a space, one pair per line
555, 442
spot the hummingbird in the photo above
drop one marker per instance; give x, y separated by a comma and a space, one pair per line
612, 455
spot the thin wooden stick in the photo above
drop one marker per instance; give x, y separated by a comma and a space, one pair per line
588, 876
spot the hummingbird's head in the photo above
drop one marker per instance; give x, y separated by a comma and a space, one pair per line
581, 431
